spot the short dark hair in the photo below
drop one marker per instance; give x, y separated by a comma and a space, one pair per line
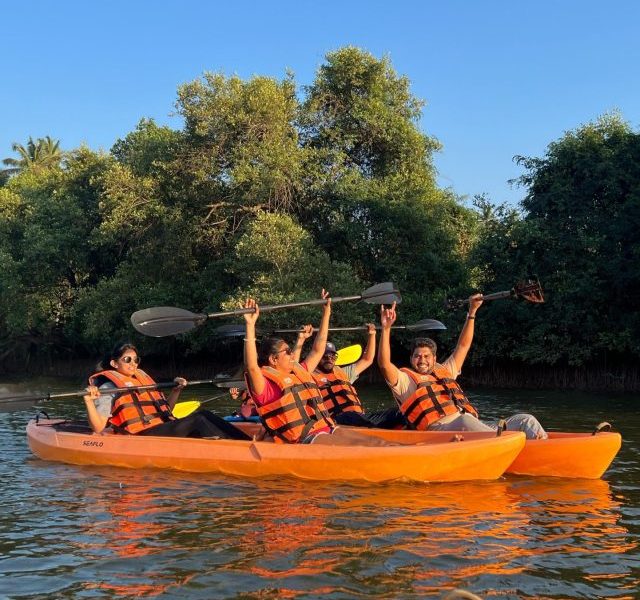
424, 343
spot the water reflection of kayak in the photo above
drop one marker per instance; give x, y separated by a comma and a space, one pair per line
423, 456
575, 455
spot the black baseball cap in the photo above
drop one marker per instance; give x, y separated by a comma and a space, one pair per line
330, 349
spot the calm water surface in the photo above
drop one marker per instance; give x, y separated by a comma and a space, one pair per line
80, 532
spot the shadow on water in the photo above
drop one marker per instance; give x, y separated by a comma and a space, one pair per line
70, 532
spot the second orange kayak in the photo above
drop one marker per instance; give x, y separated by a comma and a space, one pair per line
568, 455
563, 454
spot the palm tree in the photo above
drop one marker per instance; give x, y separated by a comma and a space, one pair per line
43, 153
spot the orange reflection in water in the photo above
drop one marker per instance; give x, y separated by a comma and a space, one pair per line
519, 520
294, 537
285, 524
428, 538
134, 523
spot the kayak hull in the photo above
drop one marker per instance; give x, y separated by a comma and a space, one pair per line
427, 456
568, 455
563, 454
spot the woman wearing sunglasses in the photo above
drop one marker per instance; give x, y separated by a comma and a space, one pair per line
144, 412
286, 395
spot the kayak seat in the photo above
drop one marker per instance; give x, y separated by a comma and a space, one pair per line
73, 426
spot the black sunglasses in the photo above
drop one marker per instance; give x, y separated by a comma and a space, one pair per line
128, 359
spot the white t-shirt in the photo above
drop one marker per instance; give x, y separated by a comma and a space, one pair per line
350, 371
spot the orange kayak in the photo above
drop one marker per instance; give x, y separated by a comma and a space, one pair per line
568, 455
429, 456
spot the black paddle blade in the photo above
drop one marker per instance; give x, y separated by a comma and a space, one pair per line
427, 325
382, 293
530, 290
241, 384
161, 321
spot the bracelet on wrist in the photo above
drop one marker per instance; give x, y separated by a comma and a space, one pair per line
470, 317
249, 339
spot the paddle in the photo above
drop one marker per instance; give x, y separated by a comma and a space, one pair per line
423, 325
529, 290
137, 388
348, 355
240, 331
183, 409
161, 321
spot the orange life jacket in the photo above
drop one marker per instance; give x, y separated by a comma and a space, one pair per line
132, 412
338, 394
437, 395
299, 412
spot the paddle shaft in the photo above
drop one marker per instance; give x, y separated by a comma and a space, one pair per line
269, 308
137, 388
357, 328
494, 296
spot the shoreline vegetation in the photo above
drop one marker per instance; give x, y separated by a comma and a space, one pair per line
271, 189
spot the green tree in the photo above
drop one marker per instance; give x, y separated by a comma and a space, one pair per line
371, 194
579, 232
241, 151
40, 154
47, 220
174, 204
148, 148
276, 261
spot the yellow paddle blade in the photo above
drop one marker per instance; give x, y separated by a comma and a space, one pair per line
182, 409
349, 355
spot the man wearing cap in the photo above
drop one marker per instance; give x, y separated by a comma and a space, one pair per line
340, 398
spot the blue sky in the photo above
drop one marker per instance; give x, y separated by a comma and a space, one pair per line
500, 78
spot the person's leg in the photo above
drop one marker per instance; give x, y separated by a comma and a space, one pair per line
527, 423
348, 437
226, 429
195, 425
463, 422
391, 418
353, 419
189, 426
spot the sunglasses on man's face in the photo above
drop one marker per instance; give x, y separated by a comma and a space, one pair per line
128, 359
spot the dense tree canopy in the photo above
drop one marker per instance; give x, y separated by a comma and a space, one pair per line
275, 191
578, 230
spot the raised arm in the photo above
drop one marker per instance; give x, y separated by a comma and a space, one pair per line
305, 333
320, 342
369, 351
387, 368
254, 374
466, 335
